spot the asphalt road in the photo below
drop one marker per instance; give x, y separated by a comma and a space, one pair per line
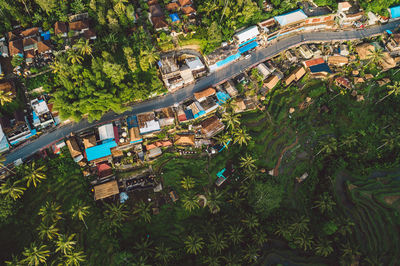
219, 76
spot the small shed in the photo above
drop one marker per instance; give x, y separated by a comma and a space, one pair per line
106, 190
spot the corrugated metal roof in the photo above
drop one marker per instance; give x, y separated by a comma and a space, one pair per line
247, 34
395, 11
291, 17
100, 151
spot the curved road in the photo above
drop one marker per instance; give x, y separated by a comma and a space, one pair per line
214, 78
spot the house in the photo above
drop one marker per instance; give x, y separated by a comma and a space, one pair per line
186, 74
147, 123
196, 66
17, 129
106, 132
104, 170
365, 50
188, 10
338, 60
394, 12
153, 153
4, 144
263, 70
74, 149
343, 50
106, 190
291, 18
58, 146
290, 57
89, 141
41, 114
184, 140
266, 25
344, 7
246, 36
166, 116
211, 126
314, 62
61, 28
230, 88
170, 73
272, 81
296, 75
159, 23
348, 13
393, 44
209, 104
202, 95
387, 62
173, 6
100, 153
359, 80
305, 51
8, 88
156, 11
239, 105
183, 3
16, 48
343, 82
81, 28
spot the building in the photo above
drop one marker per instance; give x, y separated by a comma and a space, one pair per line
343, 82
272, 81
81, 28
17, 128
74, 149
101, 152
106, 190
338, 60
291, 18
202, 95
133, 129
3, 48
264, 70
184, 140
104, 170
211, 126
166, 116
170, 73
314, 62
394, 12
266, 25
387, 62
347, 13
365, 50
296, 75
153, 153
305, 51
41, 114
89, 141
147, 123
61, 28
290, 57
393, 44
230, 88
196, 66
246, 36
106, 132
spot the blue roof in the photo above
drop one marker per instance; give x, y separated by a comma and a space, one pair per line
222, 97
132, 121
395, 11
200, 113
45, 35
248, 47
100, 151
320, 68
174, 17
35, 117
228, 60
389, 31
249, 41
189, 114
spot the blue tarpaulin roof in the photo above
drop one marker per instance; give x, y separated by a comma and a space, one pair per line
100, 151
45, 35
228, 60
189, 114
248, 47
174, 17
222, 97
320, 68
202, 112
249, 41
395, 11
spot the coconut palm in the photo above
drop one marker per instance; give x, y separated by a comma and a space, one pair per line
346, 227
190, 201
231, 119
5, 97
247, 162
212, 260
349, 253
115, 215
74, 258
375, 56
48, 231
50, 212
14, 261
283, 229
35, 255
233, 259
241, 136
83, 47
141, 261
236, 199
65, 243
218, 242
194, 244
120, 6
143, 210
350, 141
209, 7
12, 190
304, 241
34, 175
328, 146
144, 247
223, 139
393, 89
251, 221
214, 200
323, 247
187, 182
163, 254
260, 237
235, 234
79, 211
300, 225
74, 58
251, 253
325, 203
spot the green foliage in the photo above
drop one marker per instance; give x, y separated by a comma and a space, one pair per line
265, 197
329, 228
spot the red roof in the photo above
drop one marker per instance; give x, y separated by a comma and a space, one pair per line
188, 10
314, 62
151, 146
182, 117
104, 169
166, 143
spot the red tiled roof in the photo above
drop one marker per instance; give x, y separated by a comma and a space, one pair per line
79, 25
30, 32
314, 62
188, 10
166, 143
60, 27
344, 82
182, 117
159, 22
184, 2
150, 146
15, 47
172, 6
44, 47
204, 93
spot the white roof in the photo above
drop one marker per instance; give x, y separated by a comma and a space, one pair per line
264, 70
150, 126
195, 64
106, 132
291, 17
40, 107
247, 34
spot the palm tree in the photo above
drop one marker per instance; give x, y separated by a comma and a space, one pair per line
194, 244
236, 199
349, 253
235, 234
218, 242
214, 200
233, 259
187, 183
143, 247
209, 7
74, 258
350, 141
35, 255
223, 139
14, 261
5, 97
323, 248
212, 260
114, 215
83, 47
328, 146
300, 225
260, 237
65, 243
190, 201
393, 89
48, 231
232, 120
375, 56
74, 58
283, 229
325, 203
163, 254
346, 227
50, 212
120, 6
247, 162
304, 241
251, 221
34, 175
143, 210
111, 40
251, 253
79, 211
241, 136
12, 190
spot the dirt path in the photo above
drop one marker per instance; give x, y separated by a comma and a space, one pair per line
276, 169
